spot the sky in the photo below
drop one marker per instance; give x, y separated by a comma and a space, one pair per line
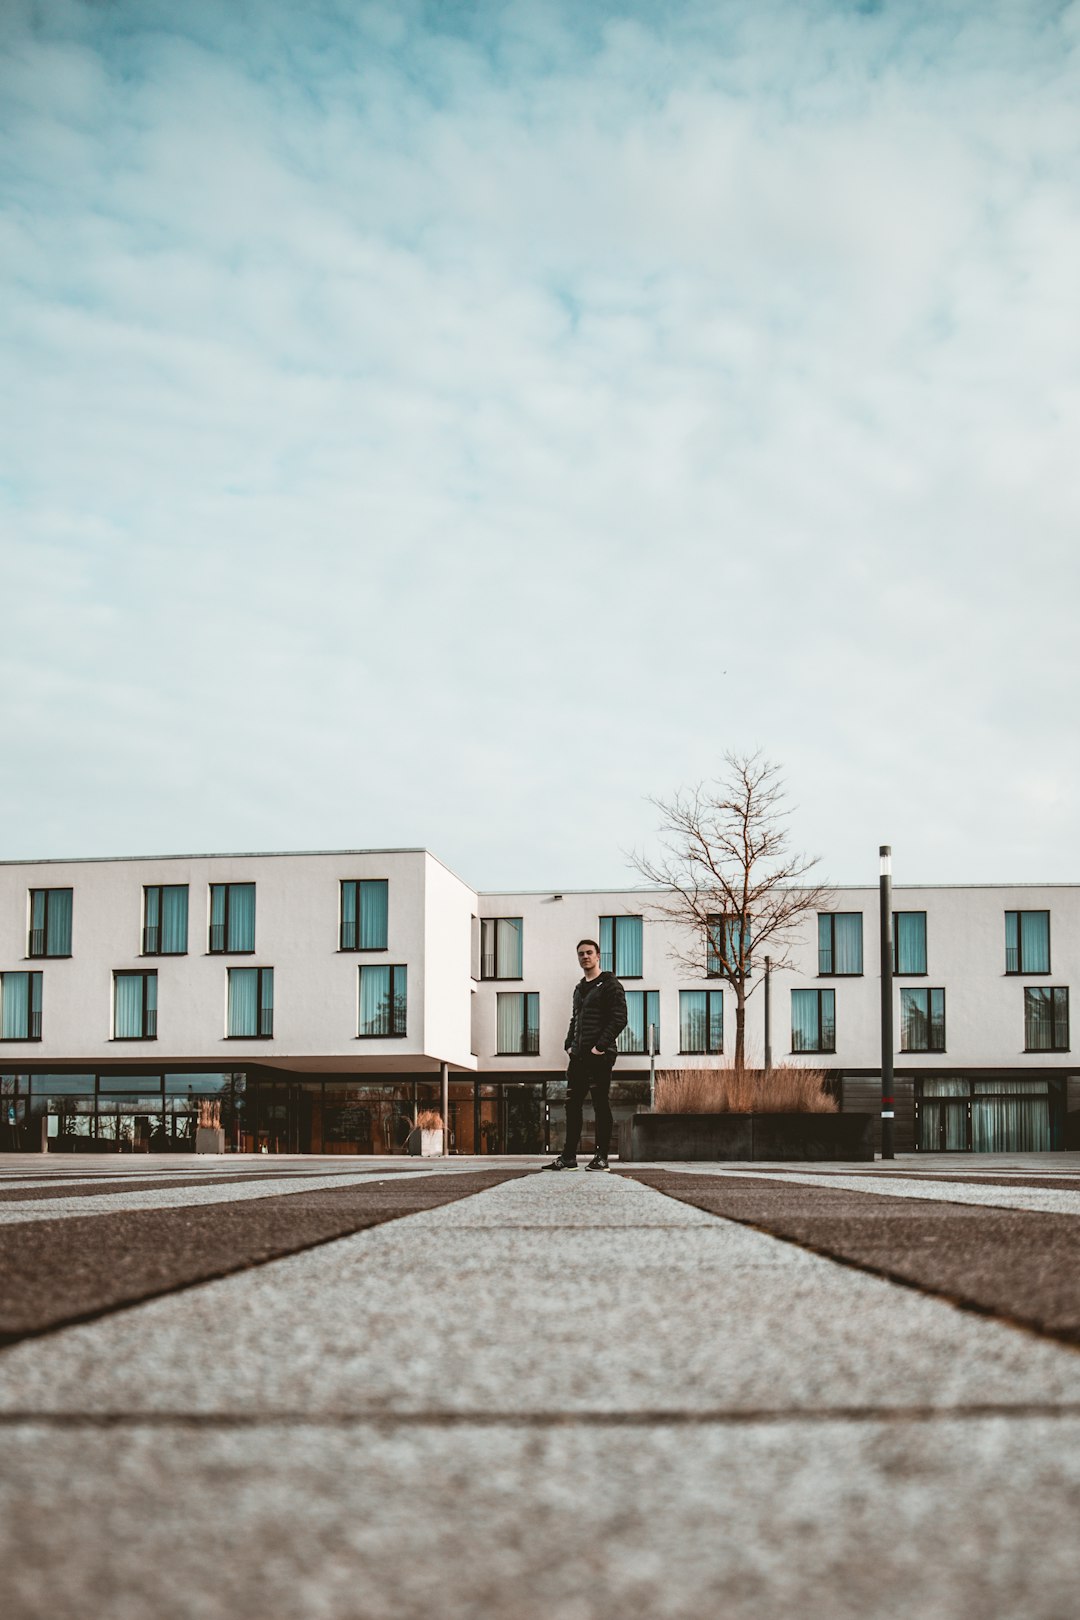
455, 424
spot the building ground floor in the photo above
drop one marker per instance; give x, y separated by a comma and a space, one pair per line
264, 1111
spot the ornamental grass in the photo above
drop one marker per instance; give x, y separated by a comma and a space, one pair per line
784, 1090
429, 1119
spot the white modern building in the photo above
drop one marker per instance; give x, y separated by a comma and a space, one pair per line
318, 998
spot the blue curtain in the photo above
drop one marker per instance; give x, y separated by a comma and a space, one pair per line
266, 1001
174, 919
1019, 1123
824, 942
374, 911
128, 1022
628, 947
217, 916
348, 915
1046, 1019
241, 917
652, 1016
607, 947
375, 1008
805, 1023
1012, 942
508, 948
243, 1001
910, 941
59, 926
15, 1006
914, 1023
716, 1020
632, 1038
848, 942
532, 1021
1034, 942
693, 1017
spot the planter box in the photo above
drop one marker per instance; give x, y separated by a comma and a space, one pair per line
209, 1138
424, 1144
746, 1137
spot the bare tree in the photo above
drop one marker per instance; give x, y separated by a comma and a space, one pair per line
734, 887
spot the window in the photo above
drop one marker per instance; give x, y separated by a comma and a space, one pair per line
500, 948
251, 1002
232, 917
922, 1020
135, 1006
365, 908
813, 1020
724, 947
642, 1009
620, 946
1046, 1019
909, 942
701, 1020
165, 914
839, 942
1027, 942
20, 1006
50, 922
517, 1022
383, 1000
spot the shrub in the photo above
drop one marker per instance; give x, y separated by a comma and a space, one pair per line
785, 1090
429, 1119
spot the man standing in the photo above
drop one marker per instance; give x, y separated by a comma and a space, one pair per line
598, 1018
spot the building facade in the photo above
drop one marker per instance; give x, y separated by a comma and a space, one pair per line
315, 998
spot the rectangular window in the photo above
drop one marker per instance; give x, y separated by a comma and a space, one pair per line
813, 1020
232, 917
517, 1022
724, 947
1046, 1019
383, 1000
621, 946
922, 1020
701, 1020
20, 1006
135, 1006
839, 942
365, 912
909, 942
500, 948
1027, 942
50, 922
642, 1009
165, 918
251, 1003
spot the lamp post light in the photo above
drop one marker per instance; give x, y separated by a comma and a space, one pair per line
885, 897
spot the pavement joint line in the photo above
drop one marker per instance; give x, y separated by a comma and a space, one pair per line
679, 1417
961, 1302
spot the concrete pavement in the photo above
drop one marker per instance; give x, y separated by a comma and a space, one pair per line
574, 1396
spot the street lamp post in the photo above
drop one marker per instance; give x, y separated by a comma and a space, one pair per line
887, 1108
652, 1067
768, 1015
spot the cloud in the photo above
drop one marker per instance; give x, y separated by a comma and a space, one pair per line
450, 425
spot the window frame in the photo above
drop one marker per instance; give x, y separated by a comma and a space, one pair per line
391, 1034
262, 1035
527, 1030
1051, 991
223, 950
45, 954
352, 950
643, 1049
813, 990
159, 888
928, 991
501, 978
715, 923
916, 973
1021, 971
147, 1014
708, 1050
614, 918
32, 1012
834, 972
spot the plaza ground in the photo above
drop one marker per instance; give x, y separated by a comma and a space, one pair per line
310, 1388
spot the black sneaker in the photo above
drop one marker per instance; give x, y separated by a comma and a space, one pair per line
598, 1162
562, 1164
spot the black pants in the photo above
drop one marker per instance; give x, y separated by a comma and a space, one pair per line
586, 1073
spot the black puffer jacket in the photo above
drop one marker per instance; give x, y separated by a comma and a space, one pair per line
599, 1015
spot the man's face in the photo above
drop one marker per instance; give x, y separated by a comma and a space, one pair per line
588, 958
